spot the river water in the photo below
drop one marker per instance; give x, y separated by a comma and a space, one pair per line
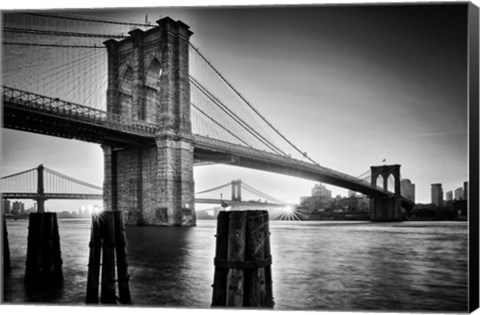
317, 265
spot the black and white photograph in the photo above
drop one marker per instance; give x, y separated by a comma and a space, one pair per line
279, 157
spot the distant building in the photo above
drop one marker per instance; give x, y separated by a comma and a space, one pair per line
364, 204
352, 193
437, 195
319, 190
449, 195
465, 190
18, 208
6, 206
407, 189
350, 203
459, 193
315, 203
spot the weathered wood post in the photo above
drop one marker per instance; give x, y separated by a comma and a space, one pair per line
242, 260
107, 242
6, 248
94, 260
44, 258
121, 255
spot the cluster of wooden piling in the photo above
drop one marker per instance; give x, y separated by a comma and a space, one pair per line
44, 258
107, 243
242, 261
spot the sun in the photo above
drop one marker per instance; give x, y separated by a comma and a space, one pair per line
288, 213
289, 209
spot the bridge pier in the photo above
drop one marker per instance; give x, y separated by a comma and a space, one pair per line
148, 80
386, 208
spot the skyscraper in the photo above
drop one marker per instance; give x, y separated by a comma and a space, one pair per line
6, 206
18, 208
320, 190
449, 195
407, 189
437, 195
459, 193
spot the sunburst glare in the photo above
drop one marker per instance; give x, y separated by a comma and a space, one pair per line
289, 213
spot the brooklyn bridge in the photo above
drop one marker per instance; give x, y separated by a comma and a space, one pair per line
157, 107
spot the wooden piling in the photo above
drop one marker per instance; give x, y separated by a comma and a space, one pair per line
6, 248
255, 278
268, 269
107, 229
242, 260
107, 243
220, 276
236, 253
94, 261
44, 262
122, 265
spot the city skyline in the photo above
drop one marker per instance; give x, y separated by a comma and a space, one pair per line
343, 89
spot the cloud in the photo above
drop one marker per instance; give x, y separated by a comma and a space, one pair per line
442, 133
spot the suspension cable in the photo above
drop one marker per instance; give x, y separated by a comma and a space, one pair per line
88, 20
363, 174
71, 179
236, 118
251, 107
59, 33
221, 126
53, 45
260, 194
212, 189
19, 173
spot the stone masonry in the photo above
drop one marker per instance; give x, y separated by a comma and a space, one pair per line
386, 208
148, 80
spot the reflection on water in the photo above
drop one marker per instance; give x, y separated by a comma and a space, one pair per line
316, 265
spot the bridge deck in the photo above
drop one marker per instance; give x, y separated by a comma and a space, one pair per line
24, 195
36, 113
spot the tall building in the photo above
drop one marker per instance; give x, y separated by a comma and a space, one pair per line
319, 190
352, 193
18, 208
407, 189
449, 195
437, 195
6, 206
459, 193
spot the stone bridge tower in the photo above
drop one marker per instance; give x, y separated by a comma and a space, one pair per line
386, 208
148, 80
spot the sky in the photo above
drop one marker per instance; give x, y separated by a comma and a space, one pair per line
350, 85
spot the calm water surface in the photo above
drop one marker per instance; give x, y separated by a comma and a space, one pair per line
319, 265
